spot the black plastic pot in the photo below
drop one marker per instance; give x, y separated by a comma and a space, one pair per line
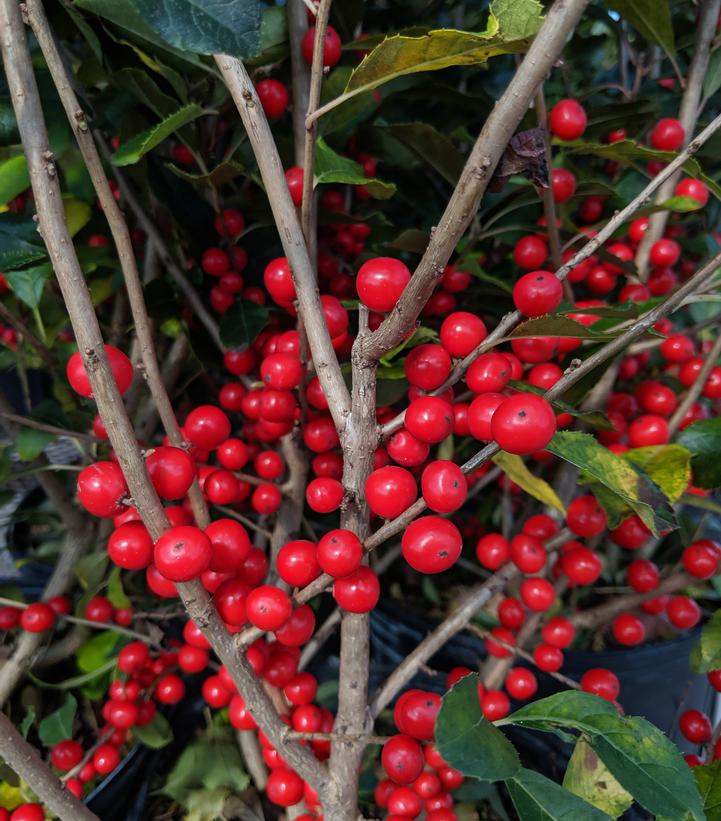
656, 681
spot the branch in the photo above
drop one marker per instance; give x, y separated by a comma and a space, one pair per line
121, 236
26, 422
291, 236
297, 27
497, 131
166, 258
509, 321
23, 758
603, 614
40, 348
458, 620
688, 115
694, 391
48, 200
308, 206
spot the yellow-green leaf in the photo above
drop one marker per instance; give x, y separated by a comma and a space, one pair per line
77, 214
668, 465
511, 25
14, 178
515, 468
589, 778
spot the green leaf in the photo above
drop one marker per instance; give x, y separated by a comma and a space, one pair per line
642, 759
144, 88
626, 151
209, 763
622, 479
468, 741
14, 178
707, 654
647, 764
223, 173
90, 569
570, 708
432, 147
157, 734
207, 805
27, 722
511, 24
28, 284
74, 681
58, 726
77, 214
30, 443
242, 322
515, 468
116, 593
712, 79
682, 205
537, 798
135, 148
652, 18
205, 26
95, 653
331, 167
20, 242
708, 781
588, 777
559, 325
669, 466
703, 439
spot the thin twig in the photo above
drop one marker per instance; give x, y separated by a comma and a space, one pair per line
26, 422
694, 391
687, 115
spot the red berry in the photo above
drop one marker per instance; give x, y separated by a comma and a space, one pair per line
700, 559
101, 489
563, 185
429, 419
523, 424
480, 415
558, 632
537, 594
331, 47
601, 682
695, 189
695, 726
358, 592
683, 612
667, 135
120, 367
340, 552
537, 293
273, 97
581, 565
493, 551
98, 609
402, 758
207, 427
444, 486
171, 470
431, 544
284, 787
294, 180
585, 517
66, 754
105, 759
230, 545
528, 553
628, 629
37, 618
567, 119
297, 563
390, 490
427, 366
495, 705
521, 683
169, 689
548, 658
182, 553
643, 575
530, 252
268, 607
130, 546
462, 332
489, 373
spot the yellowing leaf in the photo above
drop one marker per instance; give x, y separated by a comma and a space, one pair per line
515, 468
511, 24
668, 465
589, 778
77, 214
